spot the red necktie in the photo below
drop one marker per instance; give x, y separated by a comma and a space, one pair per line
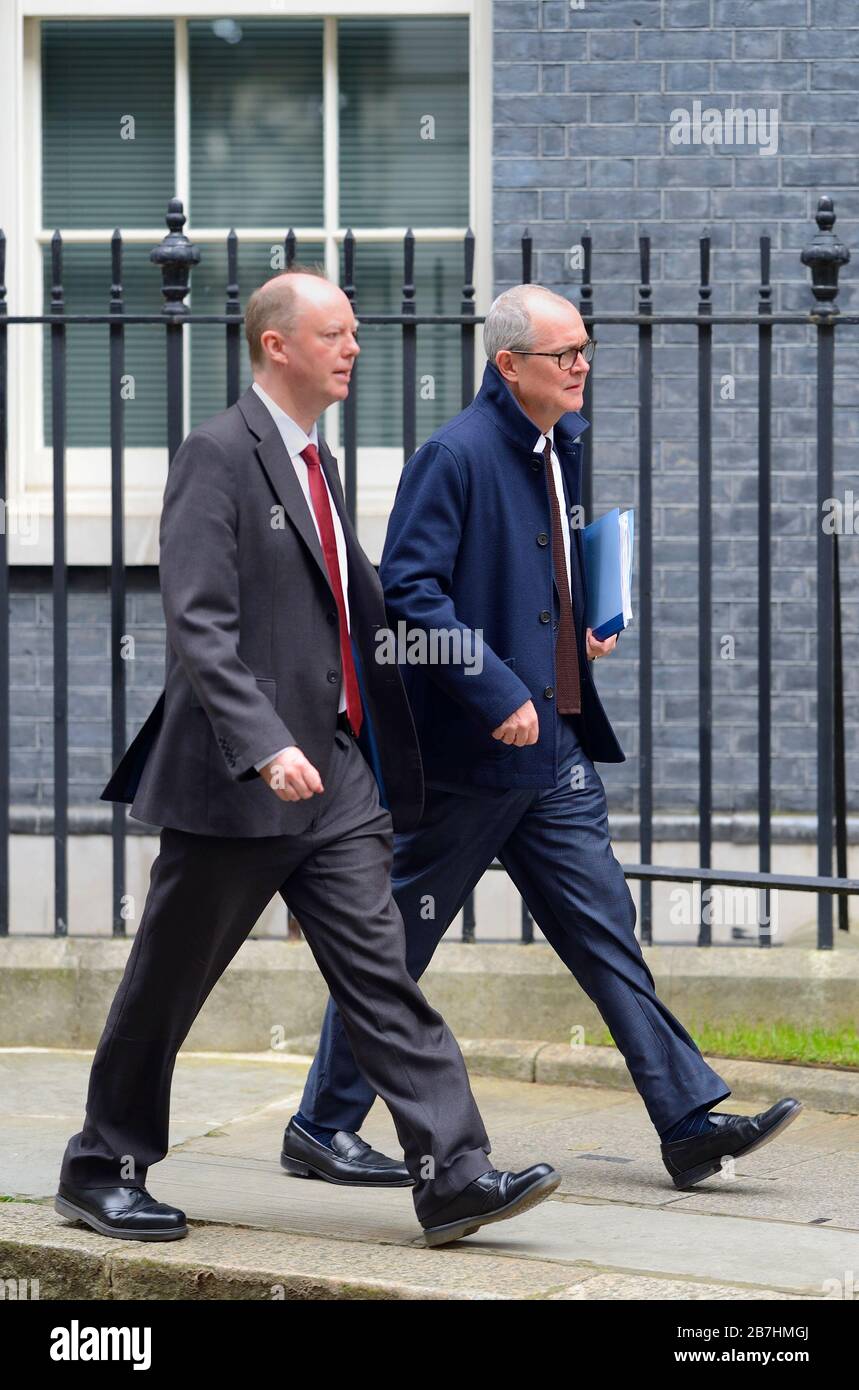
322, 508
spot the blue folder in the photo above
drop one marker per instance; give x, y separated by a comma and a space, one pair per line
608, 567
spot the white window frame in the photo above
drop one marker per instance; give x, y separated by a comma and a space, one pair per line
88, 470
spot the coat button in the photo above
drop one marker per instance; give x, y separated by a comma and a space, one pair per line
331, 618
545, 615
333, 676
535, 467
549, 692
542, 538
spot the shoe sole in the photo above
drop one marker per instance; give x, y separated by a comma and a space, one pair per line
73, 1213
456, 1230
298, 1168
713, 1165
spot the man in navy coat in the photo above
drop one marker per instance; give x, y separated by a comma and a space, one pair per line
484, 550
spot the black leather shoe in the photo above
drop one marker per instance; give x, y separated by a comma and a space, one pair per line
349, 1162
128, 1213
690, 1160
492, 1197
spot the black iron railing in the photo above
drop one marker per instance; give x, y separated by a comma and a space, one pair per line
176, 255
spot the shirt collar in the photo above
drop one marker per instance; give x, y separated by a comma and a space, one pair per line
293, 436
540, 446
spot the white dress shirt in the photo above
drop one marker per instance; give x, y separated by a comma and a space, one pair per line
295, 440
561, 495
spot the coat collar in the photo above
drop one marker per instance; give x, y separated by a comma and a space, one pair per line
497, 400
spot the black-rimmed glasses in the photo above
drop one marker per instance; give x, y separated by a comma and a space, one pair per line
566, 358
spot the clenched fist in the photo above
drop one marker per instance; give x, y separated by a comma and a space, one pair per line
519, 728
291, 776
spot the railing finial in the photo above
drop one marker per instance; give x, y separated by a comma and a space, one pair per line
825, 256
175, 255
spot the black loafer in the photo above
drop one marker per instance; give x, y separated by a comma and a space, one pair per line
690, 1160
494, 1196
349, 1162
128, 1213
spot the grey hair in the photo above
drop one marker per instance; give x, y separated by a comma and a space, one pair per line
508, 323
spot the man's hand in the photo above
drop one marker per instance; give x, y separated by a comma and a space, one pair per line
520, 727
291, 776
597, 648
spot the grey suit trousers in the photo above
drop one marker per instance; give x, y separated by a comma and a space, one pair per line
206, 892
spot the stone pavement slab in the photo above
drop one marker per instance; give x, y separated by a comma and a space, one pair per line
786, 1225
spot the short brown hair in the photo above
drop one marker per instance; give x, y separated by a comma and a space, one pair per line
269, 308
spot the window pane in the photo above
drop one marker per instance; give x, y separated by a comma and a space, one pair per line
208, 341
256, 122
107, 124
438, 290
401, 80
86, 276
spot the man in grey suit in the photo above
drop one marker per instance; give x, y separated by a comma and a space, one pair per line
252, 763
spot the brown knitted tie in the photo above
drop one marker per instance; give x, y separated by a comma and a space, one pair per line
569, 695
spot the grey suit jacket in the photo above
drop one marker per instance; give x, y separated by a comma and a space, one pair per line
253, 651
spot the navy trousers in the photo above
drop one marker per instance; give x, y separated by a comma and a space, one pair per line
555, 845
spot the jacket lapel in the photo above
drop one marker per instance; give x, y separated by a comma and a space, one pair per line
278, 468
332, 477
356, 559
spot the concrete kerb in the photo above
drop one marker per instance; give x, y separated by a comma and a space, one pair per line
225, 1262
557, 1064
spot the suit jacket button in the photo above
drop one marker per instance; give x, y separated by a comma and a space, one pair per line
331, 618
333, 676
545, 615
535, 467
549, 692
542, 538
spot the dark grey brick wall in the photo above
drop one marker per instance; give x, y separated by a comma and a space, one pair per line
31, 659
582, 114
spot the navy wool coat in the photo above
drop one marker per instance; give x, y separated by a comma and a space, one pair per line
468, 546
